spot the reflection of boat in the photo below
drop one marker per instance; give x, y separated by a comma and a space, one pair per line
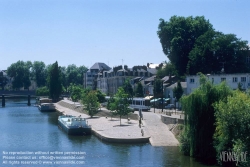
74, 125
47, 107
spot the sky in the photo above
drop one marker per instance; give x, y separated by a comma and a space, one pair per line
114, 32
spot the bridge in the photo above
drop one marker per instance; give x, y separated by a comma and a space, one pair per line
14, 96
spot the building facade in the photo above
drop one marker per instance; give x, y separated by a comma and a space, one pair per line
232, 80
89, 78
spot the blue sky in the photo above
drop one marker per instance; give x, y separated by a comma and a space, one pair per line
83, 32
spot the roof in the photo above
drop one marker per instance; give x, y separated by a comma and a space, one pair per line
183, 85
150, 78
152, 70
100, 66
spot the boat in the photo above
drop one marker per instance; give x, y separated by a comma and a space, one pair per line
73, 125
46, 104
47, 107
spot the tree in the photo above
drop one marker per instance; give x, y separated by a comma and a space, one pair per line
74, 74
178, 36
38, 73
232, 127
3, 80
178, 91
120, 104
128, 88
139, 90
42, 91
20, 72
76, 92
214, 51
168, 69
54, 81
90, 103
197, 137
158, 88
100, 96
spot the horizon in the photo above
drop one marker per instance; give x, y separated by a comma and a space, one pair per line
113, 32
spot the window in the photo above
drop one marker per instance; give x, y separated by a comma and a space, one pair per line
243, 79
223, 79
191, 80
235, 79
248, 59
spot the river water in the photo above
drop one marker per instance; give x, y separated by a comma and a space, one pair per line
30, 135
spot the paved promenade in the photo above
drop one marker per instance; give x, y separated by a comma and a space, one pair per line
110, 130
159, 132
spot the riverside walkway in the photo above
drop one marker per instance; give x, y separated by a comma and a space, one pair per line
107, 129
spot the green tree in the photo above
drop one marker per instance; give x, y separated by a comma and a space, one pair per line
100, 96
38, 73
197, 137
54, 81
168, 69
128, 88
232, 127
158, 88
3, 80
178, 91
42, 91
214, 50
120, 104
178, 36
76, 92
20, 72
74, 74
90, 102
139, 90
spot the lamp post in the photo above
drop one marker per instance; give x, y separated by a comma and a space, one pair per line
175, 104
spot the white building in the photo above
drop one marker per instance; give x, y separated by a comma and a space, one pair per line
232, 80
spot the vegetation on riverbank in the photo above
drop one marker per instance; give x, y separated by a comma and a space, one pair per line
217, 119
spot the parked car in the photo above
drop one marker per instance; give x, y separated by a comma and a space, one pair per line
170, 106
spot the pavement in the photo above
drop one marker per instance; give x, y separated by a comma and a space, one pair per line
152, 130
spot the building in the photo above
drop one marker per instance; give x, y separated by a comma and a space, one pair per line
232, 80
89, 78
108, 81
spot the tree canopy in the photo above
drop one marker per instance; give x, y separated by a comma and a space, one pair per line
120, 103
139, 90
178, 36
90, 102
128, 88
38, 72
192, 45
20, 72
54, 81
178, 91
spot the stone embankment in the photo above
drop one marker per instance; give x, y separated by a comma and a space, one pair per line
153, 129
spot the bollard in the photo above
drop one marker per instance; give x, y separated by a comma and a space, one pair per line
3, 101
28, 100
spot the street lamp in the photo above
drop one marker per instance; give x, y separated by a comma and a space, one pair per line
175, 104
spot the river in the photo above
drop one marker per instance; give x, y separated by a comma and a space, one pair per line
26, 131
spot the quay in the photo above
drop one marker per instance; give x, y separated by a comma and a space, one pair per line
153, 130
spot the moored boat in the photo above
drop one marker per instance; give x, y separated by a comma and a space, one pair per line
47, 107
74, 125
46, 104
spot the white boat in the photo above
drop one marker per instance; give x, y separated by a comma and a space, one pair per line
47, 107
74, 125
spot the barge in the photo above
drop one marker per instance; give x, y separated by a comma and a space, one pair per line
74, 125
